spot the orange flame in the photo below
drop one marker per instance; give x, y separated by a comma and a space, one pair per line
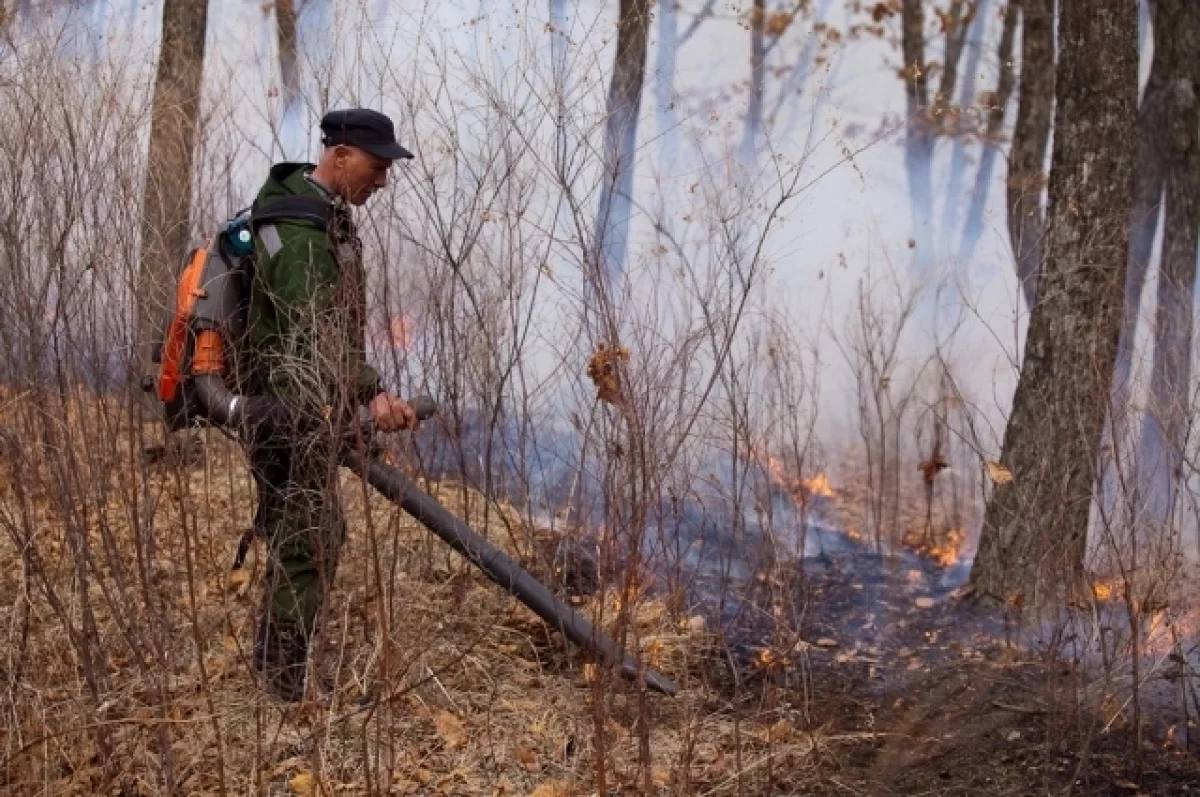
799, 488
947, 552
768, 659
818, 485
1107, 589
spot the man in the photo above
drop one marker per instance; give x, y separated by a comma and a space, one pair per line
306, 352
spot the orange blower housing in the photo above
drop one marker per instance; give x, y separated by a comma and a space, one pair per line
206, 321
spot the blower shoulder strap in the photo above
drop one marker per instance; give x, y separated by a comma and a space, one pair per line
311, 210
305, 209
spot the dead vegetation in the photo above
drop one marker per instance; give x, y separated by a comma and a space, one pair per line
442, 684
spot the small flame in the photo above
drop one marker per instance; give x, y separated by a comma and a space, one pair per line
799, 488
818, 485
1106, 590
949, 551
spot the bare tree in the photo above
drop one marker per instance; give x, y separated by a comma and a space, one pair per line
754, 112
1176, 26
666, 120
973, 228
1035, 525
960, 23
285, 33
1153, 162
918, 145
956, 24
168, 186
620, 137
1026, 163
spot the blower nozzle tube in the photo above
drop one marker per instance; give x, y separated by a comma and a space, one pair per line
502, 569
221, 405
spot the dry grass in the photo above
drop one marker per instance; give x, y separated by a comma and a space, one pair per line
444, 684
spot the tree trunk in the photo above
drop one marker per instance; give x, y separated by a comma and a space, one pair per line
667, 121
168, 188
956, 37
285, 32
754, 111
1176, 26
790, 87
976, 18
1034, 532
1031, 136
918, 142
973, 228
1152, 158
620, 138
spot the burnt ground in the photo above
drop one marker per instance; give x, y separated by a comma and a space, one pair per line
950, 699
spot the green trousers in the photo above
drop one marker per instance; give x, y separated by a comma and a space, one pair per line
300, 516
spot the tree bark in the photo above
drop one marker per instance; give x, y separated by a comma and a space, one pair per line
620, 138
285, 33
959, 23
1176, 25
956, 37
1033, 539
973, 228
1031, 136
168, 187
918, 143
1151, 173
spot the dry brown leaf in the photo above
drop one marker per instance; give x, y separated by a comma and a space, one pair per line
237, 581
552, 788
603, 370
529, 759
781, 731
303, 784
450, 728
998, 473
775, 24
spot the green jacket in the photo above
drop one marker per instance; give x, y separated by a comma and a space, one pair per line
307, 315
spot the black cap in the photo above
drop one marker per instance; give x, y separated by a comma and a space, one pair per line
368, 130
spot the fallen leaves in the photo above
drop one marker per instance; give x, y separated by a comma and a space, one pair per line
552, 788
303, 784
528, 758
237, 581
450, 728
998, 473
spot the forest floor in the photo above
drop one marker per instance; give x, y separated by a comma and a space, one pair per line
440, 684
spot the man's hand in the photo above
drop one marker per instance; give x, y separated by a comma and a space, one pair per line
391, 414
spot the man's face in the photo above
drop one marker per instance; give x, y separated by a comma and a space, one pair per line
359, 173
